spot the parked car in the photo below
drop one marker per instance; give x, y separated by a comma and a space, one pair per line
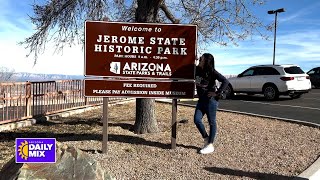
271, 81
315, 77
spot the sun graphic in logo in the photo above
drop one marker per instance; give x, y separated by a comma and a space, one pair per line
24, 150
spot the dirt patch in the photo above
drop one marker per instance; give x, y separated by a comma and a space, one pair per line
245, 148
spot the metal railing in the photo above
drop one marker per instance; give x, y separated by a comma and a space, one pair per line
13, 101
23, 100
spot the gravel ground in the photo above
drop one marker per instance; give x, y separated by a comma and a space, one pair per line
246, 147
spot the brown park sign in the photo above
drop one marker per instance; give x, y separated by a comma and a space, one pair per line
140, 50
138, 89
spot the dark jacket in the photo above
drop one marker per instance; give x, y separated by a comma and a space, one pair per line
204, 85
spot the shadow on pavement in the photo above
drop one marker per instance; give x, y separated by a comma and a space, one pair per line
125, 126
258, 98
254, 175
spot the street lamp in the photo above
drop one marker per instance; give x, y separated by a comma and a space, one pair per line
275, 29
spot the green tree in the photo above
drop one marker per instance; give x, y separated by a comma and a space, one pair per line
218, 21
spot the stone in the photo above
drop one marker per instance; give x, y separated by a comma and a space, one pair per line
71, 163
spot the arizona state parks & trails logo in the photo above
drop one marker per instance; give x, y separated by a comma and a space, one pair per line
115, 67
133, 68
35, 150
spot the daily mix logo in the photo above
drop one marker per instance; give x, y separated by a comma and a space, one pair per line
35, 150
159, 69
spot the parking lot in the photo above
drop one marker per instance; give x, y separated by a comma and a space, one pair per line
306, 108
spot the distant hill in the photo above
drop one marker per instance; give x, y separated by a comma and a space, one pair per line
21, 77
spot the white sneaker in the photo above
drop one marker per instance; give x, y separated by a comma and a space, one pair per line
205, 142
208, 149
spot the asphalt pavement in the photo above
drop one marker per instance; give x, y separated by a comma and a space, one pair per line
306, 108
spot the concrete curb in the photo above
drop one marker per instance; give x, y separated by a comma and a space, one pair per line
311, 173
18, 124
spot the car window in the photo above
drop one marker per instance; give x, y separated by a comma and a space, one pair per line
271, 71
293, 70
311, 72
259, 71
249, 72
266, 71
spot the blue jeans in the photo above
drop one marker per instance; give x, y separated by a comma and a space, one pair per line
208, 107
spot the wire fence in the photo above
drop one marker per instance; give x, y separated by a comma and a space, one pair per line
23, 100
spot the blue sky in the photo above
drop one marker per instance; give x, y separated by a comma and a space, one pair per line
298, 41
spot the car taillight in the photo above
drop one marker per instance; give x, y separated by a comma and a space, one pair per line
287, 78
307, 77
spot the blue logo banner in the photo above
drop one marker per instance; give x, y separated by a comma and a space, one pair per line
35, 150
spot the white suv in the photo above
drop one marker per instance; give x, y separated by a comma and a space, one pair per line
271, 81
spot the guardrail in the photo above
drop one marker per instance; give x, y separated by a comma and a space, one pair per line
23, 100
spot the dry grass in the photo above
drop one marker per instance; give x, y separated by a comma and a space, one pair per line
246, 147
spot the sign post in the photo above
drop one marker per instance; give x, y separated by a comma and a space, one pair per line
174, 124
118, 54
105, 126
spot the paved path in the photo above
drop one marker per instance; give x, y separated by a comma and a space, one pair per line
306, 108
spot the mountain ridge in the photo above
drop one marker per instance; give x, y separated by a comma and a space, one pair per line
24, 76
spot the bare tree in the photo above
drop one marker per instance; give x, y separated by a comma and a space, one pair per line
218, 21
6, 74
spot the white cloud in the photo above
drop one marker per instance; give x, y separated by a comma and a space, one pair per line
302, 12
300, 48
71, 62
14, 56
15, 30
304, 46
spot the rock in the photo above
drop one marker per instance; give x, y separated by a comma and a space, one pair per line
71, 163
10, 170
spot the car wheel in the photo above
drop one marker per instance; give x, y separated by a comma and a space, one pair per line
295, 96
270, 92
228, 92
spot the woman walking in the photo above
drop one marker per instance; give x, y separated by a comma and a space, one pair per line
209, 95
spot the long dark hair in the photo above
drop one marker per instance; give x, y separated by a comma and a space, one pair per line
208, 65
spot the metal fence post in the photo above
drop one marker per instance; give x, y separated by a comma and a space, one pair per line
85, 101
28, 99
